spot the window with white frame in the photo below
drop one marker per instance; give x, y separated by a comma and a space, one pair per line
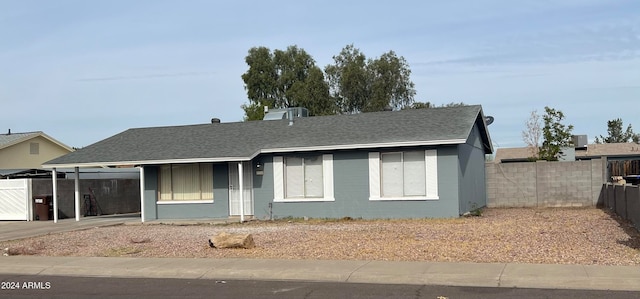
303, 178
185, 182
406, 175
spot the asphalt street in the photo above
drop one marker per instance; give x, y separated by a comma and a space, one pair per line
21, 286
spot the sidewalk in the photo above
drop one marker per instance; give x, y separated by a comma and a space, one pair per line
625, 278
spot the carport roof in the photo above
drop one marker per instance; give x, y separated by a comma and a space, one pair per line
240, 141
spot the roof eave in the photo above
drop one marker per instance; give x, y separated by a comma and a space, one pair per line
362, 146
263, 151
145, 162
485, 131
60, 144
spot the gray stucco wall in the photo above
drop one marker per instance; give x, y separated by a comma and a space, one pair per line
218, 209
351, 192
472, 187
263, 187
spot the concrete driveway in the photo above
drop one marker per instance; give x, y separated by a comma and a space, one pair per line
12, 230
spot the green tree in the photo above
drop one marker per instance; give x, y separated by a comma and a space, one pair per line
348, 80
391, 84
359, 84
284, 79
555, 135
313, 94
617, 135
259, 82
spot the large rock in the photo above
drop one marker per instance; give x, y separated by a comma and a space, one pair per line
226, 240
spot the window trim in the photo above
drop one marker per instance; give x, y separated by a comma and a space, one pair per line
184, 201
279, 181
375, 178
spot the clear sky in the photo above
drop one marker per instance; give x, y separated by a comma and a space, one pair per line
82, 71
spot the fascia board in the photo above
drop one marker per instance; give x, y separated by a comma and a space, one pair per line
147, 162
362, 146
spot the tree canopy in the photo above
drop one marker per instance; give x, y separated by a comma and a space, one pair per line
352, 84
617, 135
555, 135
284, 79
359, 84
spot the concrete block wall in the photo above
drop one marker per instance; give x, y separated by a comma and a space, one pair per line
620, 201
598, 177
562, 184
632, 194
624, 200
544, 184
610, 197
511, 185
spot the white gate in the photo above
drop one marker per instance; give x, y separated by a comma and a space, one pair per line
15, 199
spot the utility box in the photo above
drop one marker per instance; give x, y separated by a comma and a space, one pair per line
43, 206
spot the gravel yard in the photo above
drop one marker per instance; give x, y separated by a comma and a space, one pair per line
549, 236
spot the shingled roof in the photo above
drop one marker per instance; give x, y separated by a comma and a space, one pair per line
240, 141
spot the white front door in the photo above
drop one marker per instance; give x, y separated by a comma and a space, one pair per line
247, 188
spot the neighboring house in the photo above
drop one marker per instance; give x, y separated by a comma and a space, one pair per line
393, 164
21, 151
586, 152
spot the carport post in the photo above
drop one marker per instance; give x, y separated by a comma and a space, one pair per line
54, 178
241, 191
141, 193
77, 194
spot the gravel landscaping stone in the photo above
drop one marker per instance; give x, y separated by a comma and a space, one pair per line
545, 236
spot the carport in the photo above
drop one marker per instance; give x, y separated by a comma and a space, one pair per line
77, 195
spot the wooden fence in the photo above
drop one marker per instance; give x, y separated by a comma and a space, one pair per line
624, 167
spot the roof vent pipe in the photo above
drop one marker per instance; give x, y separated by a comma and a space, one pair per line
290, 116
9, 133
215, 120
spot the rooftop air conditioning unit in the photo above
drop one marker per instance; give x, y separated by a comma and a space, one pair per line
275, 114
579, 141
